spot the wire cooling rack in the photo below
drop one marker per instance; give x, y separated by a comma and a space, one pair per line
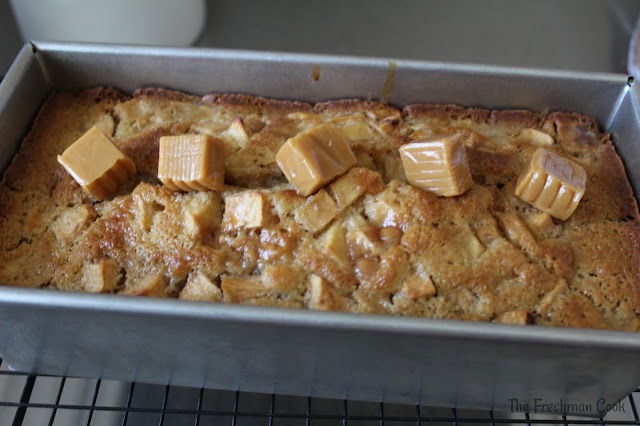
27, 400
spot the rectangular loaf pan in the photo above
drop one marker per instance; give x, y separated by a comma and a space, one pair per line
306, 353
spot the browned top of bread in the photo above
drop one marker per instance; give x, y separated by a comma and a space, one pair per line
382, 246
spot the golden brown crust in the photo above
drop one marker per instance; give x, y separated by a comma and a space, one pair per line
515, 117
166, 94
385, 247
252, 102
354, 105
446, 112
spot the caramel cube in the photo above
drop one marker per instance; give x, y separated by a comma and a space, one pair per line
191, 163
97, 164
552, 183
248, 209
315, 157
438, 165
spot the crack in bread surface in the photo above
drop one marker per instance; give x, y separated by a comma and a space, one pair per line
406, 251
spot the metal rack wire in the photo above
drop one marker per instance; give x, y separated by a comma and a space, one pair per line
34, 400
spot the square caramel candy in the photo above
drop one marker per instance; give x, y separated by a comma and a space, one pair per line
191, 163
552, 183
438, 165
315, 157
97, 164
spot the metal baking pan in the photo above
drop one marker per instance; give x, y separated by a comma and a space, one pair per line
366, 357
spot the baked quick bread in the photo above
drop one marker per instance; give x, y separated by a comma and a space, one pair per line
367, 242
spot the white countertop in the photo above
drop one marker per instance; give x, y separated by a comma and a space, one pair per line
586, 35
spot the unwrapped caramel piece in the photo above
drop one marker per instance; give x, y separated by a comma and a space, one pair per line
438, 165
552, 183
191, 163
315, 157
97, 164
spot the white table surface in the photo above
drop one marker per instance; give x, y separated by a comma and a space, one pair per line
586, 35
